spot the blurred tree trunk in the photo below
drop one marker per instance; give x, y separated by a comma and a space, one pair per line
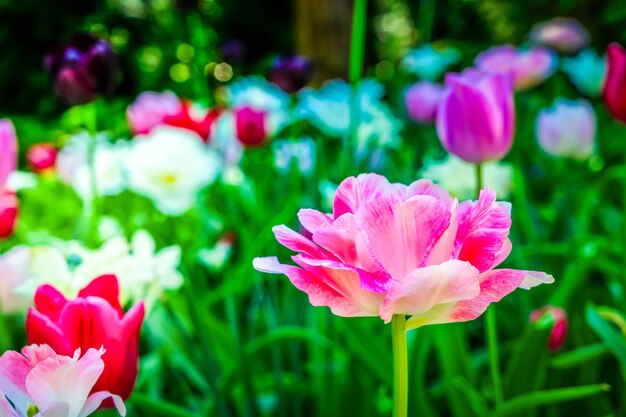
323, 34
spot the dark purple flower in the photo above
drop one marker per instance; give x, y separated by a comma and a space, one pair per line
232, 50
291, 73
83, 69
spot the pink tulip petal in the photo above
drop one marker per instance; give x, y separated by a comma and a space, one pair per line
483, 231
295, 241
345, 241
15, 367
95, 400
424, 288
55, 409
401, 233
494, 285
312, 220
6, 410
78, 376
336, 289
534, 278
353, 192
444, 248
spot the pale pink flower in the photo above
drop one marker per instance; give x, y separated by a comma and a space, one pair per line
528, 67
393, 249
13, 273
564, 34
57, 385
151, 109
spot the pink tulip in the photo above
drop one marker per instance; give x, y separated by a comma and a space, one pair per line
422, 100
564, 34
56, 385
150, 109
528, 67
558, 334
393, 249
476, 117
8, 164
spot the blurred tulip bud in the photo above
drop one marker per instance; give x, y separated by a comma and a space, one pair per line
250, 126
563, 34
422, 100
557, 315
567, 129
476, 117
42, 156
614, 91
291, 73
83, 69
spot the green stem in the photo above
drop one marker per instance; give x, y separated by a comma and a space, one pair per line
479, 179
357, 41
491, 329
355, 73
90, 121
400, 366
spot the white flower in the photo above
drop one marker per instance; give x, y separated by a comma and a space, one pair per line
143, 272
300, 153
73, 165
170, 165
459, 177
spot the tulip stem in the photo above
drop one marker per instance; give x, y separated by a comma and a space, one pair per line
357, 41
400, 366
491, 328
90, 120
479, 179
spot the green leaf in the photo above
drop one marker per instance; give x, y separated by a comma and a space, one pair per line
474, 403
579, 357
541, 398
612, 338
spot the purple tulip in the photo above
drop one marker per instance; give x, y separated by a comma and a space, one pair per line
422, 100
567, 129
476, 117
83, 69
291, 73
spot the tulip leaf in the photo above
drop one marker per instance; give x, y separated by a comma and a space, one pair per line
474, 403
579, 357
535, 399
612, 338
159, 407
529, 352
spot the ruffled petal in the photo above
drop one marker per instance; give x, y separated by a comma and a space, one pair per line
401, 233
424, 288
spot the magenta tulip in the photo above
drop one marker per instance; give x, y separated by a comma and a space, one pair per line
614, 92
476, 117
560, 324
422, 100
8, 164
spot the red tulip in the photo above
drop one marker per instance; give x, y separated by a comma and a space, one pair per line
184, 119
94, 319
615, 85
42, 156
8, 213
250, 126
